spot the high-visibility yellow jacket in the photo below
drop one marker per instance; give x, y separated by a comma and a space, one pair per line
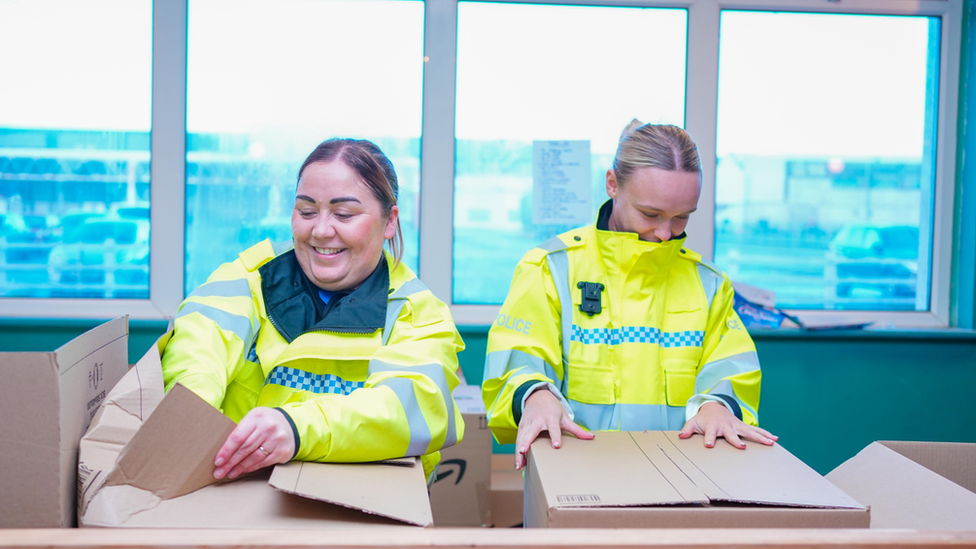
371, 380
665, 339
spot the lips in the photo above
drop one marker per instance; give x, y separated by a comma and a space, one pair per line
329, 251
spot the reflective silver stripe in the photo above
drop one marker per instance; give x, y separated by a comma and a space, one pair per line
223, 288
435, 372
559, 269
279, 248
240, 326
713, 372
710, 282
498, 363
396, 303
419, 431
554, 244
628, 417
725, 387
595, 417
409, 288
393, 308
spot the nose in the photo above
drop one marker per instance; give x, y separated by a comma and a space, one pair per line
663, 231
323, 227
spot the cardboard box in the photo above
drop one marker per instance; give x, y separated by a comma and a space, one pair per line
653, 479
147, 461
506, 492
917, 485
461, 494
47, 400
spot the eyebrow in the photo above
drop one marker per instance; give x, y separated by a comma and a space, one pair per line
653, 209
338, 200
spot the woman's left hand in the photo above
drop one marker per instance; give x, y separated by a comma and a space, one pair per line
262, 438
715, 420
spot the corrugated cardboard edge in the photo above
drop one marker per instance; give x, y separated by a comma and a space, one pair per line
127, 406
173, 452
291, 478
902, 493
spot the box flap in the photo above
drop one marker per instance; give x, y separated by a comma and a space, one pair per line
955, 461
394, 491
173, 453
764, 475
247, 503
903, 494
633, 480
124, 410
657, 468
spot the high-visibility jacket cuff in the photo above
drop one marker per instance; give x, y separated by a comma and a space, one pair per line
526, 389
294, 431
696, 402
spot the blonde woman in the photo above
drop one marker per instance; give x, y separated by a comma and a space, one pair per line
618, 326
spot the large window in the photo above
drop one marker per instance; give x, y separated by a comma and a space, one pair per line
74, 148
266, 83
826, 155
827, 132
539, 114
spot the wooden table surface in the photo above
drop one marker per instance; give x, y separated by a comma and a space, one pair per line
480, 538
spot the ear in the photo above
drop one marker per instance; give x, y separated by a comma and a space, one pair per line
612, 186
391, 223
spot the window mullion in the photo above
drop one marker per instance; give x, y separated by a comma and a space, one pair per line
168, 167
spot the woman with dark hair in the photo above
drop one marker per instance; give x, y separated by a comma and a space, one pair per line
617, 326
332, 349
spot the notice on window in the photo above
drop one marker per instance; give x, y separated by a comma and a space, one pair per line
561, 182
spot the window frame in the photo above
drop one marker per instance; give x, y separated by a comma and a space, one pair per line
168, 156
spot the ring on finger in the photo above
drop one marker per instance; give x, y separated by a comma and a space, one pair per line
263, 451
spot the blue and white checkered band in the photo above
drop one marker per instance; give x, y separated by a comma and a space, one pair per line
316, 383
637, 334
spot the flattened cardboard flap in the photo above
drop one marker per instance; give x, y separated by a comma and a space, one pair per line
902, 493
955, 461
657, 468
173, 453
363, 486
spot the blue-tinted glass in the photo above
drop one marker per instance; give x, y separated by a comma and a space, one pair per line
266, 83
74, 148
569, 77
826, 148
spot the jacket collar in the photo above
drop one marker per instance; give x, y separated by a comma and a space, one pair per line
625, 252
289, 300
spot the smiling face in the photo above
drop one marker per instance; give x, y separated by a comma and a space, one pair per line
339, 227
653, 203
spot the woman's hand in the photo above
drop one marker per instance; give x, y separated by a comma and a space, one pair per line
263, 438
544, 412
715, 420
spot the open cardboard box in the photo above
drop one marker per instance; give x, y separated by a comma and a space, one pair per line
507, 492
47, 400
461, 494
147, 461
917, 485
654, 479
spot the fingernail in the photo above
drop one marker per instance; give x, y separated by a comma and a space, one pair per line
522, 450
709, 444
219, 461
234, 473
518, 465
555, 445
218, 473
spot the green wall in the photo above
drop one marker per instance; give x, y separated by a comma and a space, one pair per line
828, 395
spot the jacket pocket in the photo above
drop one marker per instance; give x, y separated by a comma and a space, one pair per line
680, 375
590, 385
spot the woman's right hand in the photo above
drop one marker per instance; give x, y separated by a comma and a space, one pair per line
544, 412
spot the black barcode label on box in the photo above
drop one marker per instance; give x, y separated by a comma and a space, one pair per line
578, 499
